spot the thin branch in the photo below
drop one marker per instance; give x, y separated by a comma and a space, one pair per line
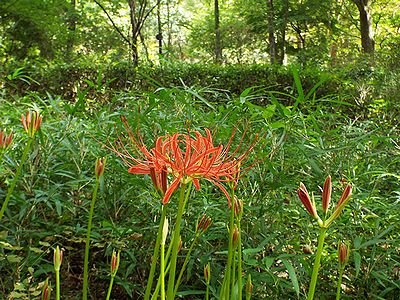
113, 24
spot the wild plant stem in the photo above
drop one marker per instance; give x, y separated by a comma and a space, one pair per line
16, 176
317, 263
155, 254
162, 269
175, 246
110, 288
87, 245
239, 261
233, 276
178, 281
57, 284
339, 284
227, 279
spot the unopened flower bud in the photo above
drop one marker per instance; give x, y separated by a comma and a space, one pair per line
203, 224
31, 122
99, 167
345, 196
326, 194
249, 287
305, 199
5, 140
344, 199
235, 238
57, 258
238, 208
46, 291
114, 262
180, 245
207, 271
343, 254
164, 232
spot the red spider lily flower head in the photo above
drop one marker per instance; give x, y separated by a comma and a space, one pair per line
31, 122
305, 199
326, 194
142, 160
5, 140
188, 157
191, 157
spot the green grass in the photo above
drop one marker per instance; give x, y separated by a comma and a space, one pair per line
305, 141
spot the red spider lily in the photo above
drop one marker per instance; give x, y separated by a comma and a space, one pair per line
187, 157
190, 158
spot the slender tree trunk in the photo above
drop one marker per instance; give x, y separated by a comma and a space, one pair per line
282, 39
71, 29
159, 25
134, 31
218, 48
367, 34
169, 39
271, 32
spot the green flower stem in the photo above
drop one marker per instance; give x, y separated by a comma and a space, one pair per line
162, 269
339, 284
178, 281
317, 263
227, 279
239, 261
110, 287
233, 276
175, 246
207, 291
155, 254
87, 246
157, 289
17, 174
57, 284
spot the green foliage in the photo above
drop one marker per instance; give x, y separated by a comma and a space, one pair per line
308, 134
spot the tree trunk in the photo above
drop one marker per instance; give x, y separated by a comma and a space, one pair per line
367, 34
159, 25
134, 31
282, 39
271, 33
218, 48
71, 11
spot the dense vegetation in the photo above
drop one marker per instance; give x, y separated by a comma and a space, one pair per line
322, 96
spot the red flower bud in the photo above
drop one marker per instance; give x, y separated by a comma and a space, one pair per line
46, 291
326, 194
305, 199
5, 140
31, 122
114, 262
343, 254
99, 167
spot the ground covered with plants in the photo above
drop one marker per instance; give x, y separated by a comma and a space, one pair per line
279, 137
